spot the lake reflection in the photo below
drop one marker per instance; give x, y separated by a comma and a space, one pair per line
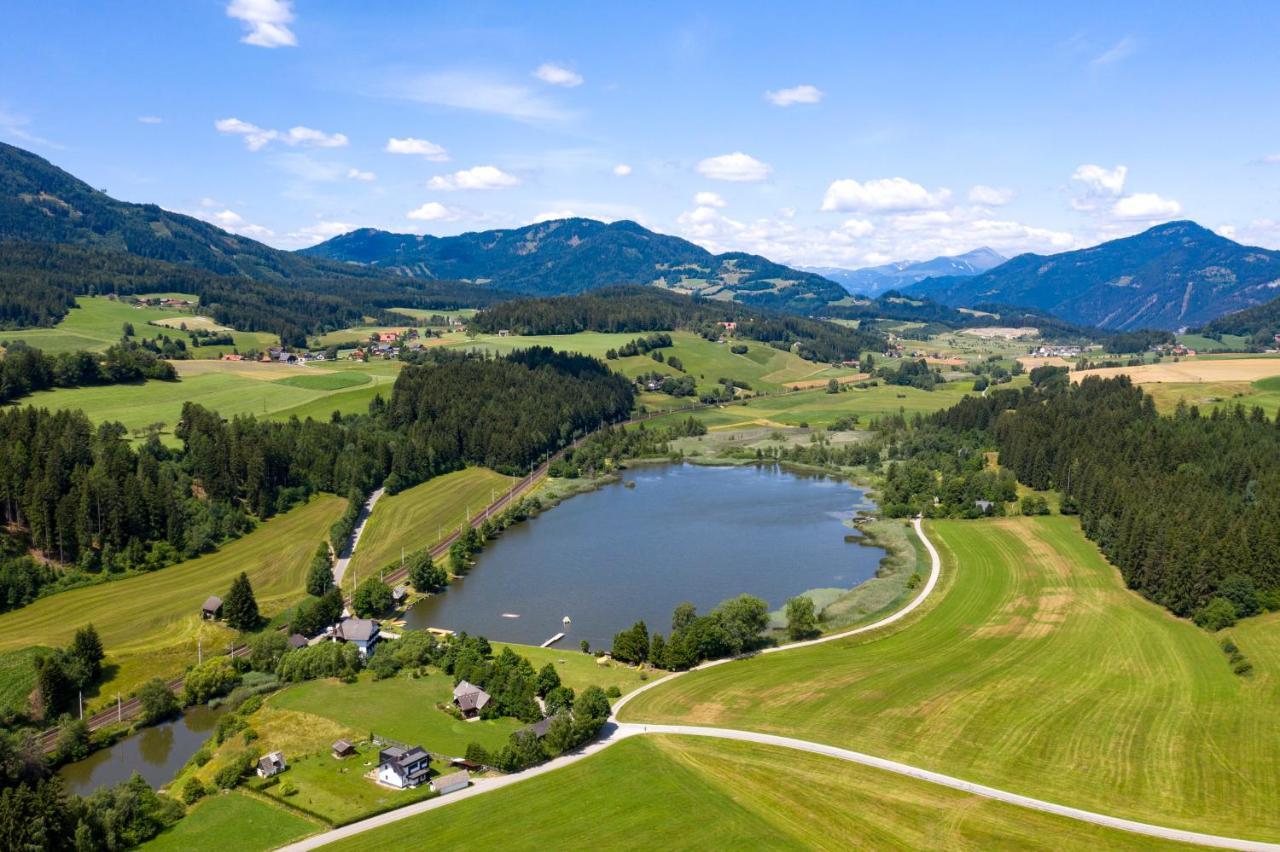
681, 533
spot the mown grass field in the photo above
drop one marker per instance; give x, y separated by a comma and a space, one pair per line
233, 821
150, 624
690, 793
423, 515
1264, 393
229, 388
18, 677
1035, 670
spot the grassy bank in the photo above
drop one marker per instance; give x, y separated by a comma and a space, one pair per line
233, 821
688, 793
423, 515
150, 624
1035, 671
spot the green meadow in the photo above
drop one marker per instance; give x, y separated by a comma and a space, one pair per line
230, 388
233, 820
150, 624
692, 793
1034, 670
423, 515
97, 322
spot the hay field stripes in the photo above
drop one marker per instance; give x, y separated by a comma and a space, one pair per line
1037, 671
621, 731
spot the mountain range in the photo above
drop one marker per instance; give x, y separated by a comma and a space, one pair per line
873, 280
567, 256
1171, 276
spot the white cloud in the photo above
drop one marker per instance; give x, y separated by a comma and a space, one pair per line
1146, 206
734, 167
551, 216
1100, 181
267, 21
421, 147
557, 75
881, 195
432, 211
479, 177
357, 174
319, 232
479, 93
857, 227
312, 138
1259, 232
622, 170
256, 138
1121, 50
1271, 158
795, 95
230, 220
991, 196
150, 119
709, 199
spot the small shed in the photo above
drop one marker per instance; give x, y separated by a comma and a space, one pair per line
539, 728
212, 608
342, 748
463, 763
984, 506
297, 640
450, 783
271, 764
398, 594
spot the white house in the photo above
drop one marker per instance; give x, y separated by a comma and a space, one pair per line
361, 632
402, 768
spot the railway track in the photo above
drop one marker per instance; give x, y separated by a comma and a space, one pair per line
127, 709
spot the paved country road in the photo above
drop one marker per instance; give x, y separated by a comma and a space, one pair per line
616, 731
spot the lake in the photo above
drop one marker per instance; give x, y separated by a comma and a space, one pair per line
156, 753
663, 535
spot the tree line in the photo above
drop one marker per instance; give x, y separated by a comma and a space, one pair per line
636, 308
25, 369
1187, 506
85, 497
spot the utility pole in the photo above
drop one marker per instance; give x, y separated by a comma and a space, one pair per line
119, 709
199, 651
82, 704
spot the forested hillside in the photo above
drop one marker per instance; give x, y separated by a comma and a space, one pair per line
1187, 506
635, 309
1170, 276
83, 496
39, 283
42, 203
1261, 324
568, 256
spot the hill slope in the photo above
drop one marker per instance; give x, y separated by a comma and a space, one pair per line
568, 256
1170, 276
873, 280
40, 202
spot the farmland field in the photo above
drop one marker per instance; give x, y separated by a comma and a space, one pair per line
690, 793
1034, 671
762, 366
1199, 370
229, 388
237, 821
1264, 393
97, 323
149, 624
422, 515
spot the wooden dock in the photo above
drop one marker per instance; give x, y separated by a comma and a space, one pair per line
553, 640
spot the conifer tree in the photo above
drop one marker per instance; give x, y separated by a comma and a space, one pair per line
240, 609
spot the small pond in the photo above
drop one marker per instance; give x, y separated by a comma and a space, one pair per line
663, 535
156, 753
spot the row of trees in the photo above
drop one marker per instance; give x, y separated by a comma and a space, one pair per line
25, 369
1184, 505
734, 627
638, 308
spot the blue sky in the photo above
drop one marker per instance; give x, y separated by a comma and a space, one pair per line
817, 134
